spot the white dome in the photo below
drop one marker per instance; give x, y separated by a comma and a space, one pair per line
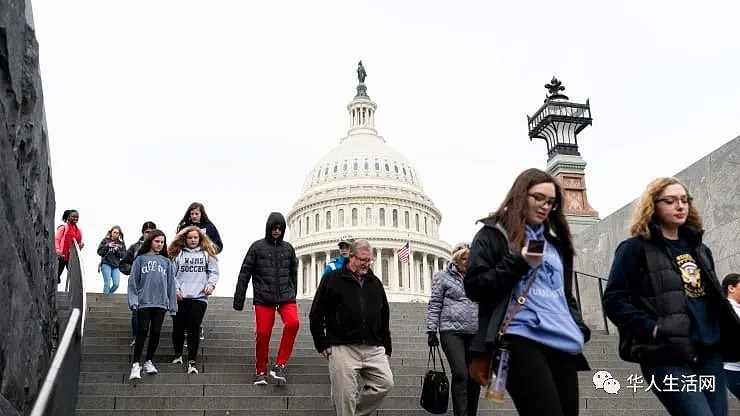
359, 156
364, 188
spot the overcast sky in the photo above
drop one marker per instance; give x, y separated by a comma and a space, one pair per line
151, 105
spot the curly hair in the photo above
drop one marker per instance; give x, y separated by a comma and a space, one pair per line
645, 210
180, 241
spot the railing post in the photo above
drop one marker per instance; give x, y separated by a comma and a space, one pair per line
601, 300
578, 291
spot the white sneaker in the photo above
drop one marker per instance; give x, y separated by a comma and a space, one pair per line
192, 369
150, 368
177, 360
135, 372
133, 341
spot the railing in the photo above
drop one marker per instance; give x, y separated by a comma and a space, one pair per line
600, 281
58, 394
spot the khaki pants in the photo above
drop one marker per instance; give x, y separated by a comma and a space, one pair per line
371, 364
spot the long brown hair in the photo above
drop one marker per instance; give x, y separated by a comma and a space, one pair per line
512, 213
645, 211
180, 241
120, 232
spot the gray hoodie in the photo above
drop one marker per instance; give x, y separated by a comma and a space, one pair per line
449, 308
194, 268
152, 283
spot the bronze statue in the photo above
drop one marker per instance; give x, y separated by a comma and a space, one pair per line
361, 74
554, 88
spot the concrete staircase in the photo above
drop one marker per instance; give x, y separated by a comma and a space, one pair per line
226, 362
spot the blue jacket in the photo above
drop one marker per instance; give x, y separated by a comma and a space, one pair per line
335, 264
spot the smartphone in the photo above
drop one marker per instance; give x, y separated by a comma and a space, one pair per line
536, 247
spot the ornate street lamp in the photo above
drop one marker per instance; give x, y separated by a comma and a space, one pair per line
558, 122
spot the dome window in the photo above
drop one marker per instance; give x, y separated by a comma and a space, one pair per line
344, 168
404, 171
381, 217
316, 224
354, 217
354, 166
328, 220
336, 167
395, 217
406, 221
368, 216
387, 168
417, 223
396, 168
340, 218
367, 165
377, 166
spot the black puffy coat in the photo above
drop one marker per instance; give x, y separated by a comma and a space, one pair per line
273, 265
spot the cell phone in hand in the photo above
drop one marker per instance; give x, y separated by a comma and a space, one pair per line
536, 247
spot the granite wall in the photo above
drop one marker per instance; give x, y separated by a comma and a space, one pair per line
27, 257
714, 182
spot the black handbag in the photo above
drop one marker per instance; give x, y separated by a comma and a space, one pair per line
435, 392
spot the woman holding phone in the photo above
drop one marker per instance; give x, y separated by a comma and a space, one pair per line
523, 256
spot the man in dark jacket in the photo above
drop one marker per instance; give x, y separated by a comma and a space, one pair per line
273, 265
350, 325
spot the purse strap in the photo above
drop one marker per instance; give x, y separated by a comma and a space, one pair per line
518, 305
433, 354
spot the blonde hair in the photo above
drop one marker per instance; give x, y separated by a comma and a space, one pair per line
180, 241
458, 255
115, 227
645, 211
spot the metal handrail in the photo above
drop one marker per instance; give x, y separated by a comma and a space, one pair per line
47, 389
600, 281
58, 394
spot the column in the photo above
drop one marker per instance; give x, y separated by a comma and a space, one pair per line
378, 266
312, 274
425, 272
394, 272
299, 288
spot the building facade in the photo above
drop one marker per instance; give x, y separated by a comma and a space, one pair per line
364, 189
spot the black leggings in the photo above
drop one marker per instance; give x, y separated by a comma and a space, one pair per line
60, 268
541, 380
465, 390
149, 318
189, 316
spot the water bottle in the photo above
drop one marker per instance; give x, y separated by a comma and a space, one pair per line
496, 389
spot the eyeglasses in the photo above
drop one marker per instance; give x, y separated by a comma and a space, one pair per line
368, 260
544, 200
672, 200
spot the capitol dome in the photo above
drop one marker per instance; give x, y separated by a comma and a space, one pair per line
365, 189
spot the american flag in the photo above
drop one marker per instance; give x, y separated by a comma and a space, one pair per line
403, 253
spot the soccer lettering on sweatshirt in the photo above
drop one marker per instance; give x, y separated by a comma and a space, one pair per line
193, 265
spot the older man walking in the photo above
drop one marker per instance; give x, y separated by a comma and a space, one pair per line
350, 325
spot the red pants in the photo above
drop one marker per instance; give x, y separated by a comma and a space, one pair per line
265, 319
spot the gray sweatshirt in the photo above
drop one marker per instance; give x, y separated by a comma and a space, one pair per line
194, 269
152, 283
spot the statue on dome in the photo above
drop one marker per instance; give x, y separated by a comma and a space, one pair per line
361, 74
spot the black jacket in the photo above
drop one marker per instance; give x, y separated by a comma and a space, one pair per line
646, 289
345, 313
274, 266
111, 255
492, 273
128, 259
209, 229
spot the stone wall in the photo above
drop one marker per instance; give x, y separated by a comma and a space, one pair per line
27, 257
714, 182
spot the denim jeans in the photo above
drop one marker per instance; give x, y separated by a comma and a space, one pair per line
689, 403
110, 274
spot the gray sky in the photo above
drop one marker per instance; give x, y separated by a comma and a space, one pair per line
154, 104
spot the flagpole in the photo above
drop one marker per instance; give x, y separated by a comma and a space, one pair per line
411, 258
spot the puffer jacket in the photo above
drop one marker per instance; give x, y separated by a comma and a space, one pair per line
449, 308
273, 265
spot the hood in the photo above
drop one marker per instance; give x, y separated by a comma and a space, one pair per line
273, 220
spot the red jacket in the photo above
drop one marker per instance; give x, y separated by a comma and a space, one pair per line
63, 239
